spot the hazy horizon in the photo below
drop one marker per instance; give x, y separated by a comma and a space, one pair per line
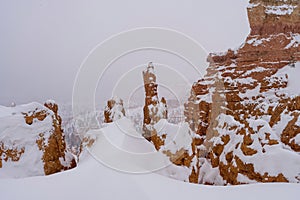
43, 43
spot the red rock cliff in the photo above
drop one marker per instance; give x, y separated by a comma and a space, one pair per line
247, 107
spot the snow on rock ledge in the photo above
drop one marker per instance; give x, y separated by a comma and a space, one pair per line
246, 108
273, 16
32, 142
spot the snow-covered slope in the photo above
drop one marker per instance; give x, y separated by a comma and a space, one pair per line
92, 179
118, 145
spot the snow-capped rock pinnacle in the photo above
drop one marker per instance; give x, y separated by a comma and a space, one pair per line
154, 109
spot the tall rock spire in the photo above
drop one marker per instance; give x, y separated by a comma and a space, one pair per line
154, 110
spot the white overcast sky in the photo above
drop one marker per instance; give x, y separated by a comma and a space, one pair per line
43, 42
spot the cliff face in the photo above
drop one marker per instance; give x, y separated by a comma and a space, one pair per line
268, 17
246, 108
32, 141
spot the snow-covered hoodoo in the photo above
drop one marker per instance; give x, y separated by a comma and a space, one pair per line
114, 110
32, 141
154, 109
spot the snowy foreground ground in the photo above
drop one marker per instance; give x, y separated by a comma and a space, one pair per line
94, 180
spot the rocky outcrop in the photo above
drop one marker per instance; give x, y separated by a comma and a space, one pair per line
154, 109
32, 141
270, 17
172, 140
12, 154
114, 110
56, 157
245, 110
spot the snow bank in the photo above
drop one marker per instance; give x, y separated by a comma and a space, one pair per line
121, 147
93, 180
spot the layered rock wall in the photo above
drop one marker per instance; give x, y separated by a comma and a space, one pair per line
246, 107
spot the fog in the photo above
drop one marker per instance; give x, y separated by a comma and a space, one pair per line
43, 43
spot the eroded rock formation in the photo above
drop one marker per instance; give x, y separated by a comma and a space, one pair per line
32, 141
12, 154
154, 109
245, 110
270, 17
114, 110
